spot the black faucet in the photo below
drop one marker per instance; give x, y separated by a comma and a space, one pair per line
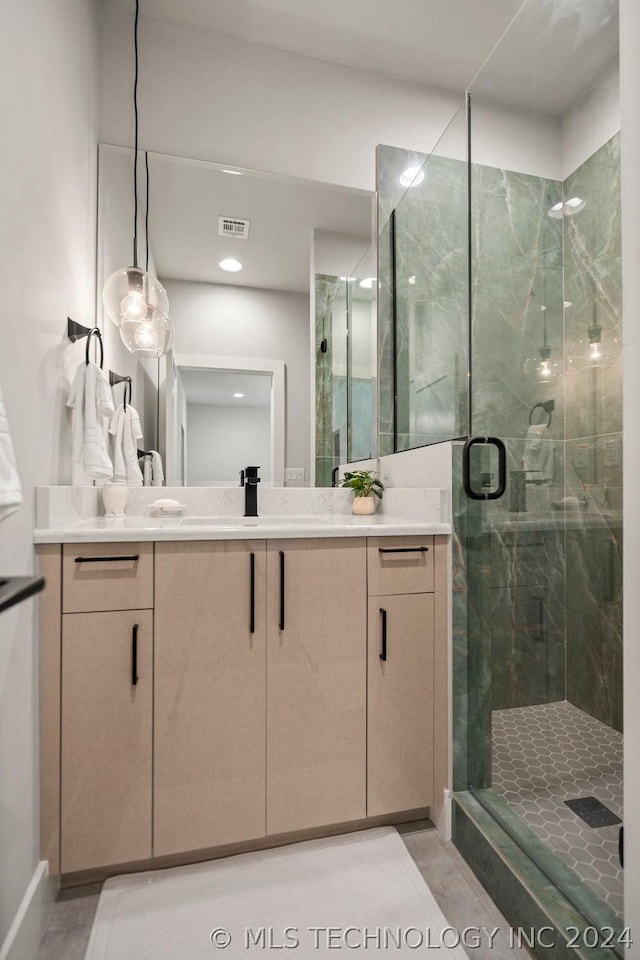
249, 479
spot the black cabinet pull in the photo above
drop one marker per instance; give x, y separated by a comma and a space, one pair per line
281, 590
403, 549
383, 621
134, 655
132, 559
252, 601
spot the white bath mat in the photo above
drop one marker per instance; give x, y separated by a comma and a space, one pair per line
354, 894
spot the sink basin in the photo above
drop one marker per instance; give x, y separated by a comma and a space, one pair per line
235, 523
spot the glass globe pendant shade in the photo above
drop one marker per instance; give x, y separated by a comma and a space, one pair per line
148, 338
129, 293
594, 350
543, 368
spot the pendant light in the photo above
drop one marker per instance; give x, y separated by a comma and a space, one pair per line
543, 368
151, 335
594, 350
134, 300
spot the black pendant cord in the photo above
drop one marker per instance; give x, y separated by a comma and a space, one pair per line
135, 149
146, 216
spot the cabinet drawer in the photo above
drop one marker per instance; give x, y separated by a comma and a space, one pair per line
107, 576
399, 565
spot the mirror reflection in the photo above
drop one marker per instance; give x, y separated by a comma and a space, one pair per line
242, 256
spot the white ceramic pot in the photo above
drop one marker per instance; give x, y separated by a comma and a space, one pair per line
114, 498
363, 506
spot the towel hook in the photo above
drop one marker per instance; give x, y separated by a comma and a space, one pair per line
116, 378
548, 406
76, 331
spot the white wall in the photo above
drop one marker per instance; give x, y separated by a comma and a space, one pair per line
287, 113
593, 120
48, 118
630, 143
221, 441
244, 322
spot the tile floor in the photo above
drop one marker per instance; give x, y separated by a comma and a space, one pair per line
543, 755
460, 895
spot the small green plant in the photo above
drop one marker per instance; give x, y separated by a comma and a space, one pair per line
364, 483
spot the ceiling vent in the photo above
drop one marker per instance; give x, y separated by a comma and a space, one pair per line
233, 227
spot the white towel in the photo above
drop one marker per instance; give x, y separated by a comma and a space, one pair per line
126, 431
538, 454
10, 489
147, 471
152, 469
92, 403
156, 468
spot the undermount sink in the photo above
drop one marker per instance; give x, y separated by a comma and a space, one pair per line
234, 523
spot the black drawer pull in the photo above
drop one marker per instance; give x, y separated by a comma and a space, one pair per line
134, 655
252, 601
133, 559
281, 590
383, 621
403, 549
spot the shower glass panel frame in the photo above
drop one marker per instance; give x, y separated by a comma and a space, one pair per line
537, 574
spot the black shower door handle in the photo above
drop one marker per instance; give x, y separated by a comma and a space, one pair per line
502, 468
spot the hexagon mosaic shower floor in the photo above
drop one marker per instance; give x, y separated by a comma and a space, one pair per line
549, 753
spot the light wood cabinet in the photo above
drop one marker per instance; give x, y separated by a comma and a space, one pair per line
106, 738
401, 673
262, 707
209, 706
316, 683
400, 703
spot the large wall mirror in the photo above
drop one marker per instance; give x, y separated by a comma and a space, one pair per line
274, 361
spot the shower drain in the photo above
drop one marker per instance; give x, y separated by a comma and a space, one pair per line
594, 813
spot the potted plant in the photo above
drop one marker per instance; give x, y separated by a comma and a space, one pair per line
366, 487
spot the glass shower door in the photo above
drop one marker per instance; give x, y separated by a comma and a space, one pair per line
538, 607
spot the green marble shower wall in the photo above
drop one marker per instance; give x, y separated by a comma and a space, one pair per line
546, 608
593, 430
345, 368
331, 374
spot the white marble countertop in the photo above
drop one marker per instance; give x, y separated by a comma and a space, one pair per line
103, 529
73, 514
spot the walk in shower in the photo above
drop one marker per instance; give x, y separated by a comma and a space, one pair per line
500, 320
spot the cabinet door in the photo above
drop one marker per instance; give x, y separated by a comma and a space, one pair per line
106, 738
316, 683
400, 703
209, 707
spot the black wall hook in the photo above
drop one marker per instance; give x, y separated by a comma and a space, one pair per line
76, 331
116, 378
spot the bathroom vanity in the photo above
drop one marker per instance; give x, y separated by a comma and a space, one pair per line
206, 689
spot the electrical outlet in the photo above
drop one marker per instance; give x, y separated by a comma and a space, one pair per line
294, 475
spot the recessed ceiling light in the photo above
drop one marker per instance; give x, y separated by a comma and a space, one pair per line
238, 396
234, 173
367, 283
412, 176
230, 265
